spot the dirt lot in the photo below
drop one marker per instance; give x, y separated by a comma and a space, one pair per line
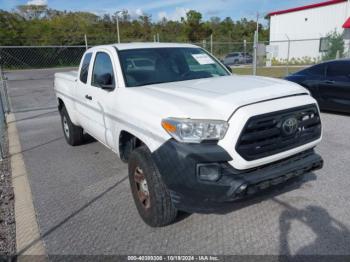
84, 205
7, 221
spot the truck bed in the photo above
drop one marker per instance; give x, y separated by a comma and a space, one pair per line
70, 76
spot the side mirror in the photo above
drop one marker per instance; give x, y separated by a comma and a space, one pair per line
105, 81
229, 68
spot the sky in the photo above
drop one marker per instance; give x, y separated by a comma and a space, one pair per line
170, 9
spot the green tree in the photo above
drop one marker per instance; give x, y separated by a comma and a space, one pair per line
40, 25
195, 29
335, 46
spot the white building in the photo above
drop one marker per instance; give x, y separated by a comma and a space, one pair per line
306, 27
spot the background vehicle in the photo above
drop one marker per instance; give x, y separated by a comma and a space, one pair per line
237, 58
329, 84
194, 136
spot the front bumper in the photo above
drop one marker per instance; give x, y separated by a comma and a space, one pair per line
178, 162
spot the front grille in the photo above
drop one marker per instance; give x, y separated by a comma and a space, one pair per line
269, 134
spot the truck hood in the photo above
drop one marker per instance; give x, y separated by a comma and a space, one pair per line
214, 98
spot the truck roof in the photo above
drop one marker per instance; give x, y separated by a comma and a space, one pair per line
125, 46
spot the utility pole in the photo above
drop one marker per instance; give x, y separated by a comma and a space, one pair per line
288, 52
245, 50
86, 43
255, 53
117, 14
211, 43
257, 26
256, 43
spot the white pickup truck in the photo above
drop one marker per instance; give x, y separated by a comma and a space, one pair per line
194, 135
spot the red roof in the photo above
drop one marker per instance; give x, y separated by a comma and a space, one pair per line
330, 2
347, 23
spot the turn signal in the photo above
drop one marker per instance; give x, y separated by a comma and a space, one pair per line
168, 126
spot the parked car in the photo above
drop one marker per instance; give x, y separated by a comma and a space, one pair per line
329, 84
237, 58
194, 135
248, 59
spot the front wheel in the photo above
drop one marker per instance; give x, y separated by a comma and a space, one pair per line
150, 194
72, 133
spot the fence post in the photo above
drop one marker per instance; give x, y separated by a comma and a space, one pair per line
2, 153
2, 128
2, 113
288, 52
211, 43
255, 62
3, 91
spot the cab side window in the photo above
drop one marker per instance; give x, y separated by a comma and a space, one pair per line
102, 74
85, 68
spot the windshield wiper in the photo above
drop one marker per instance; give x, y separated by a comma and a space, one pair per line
149, 83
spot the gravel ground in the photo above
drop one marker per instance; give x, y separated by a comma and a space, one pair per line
7, 212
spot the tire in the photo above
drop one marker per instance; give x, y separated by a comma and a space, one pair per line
72, 133
150, 194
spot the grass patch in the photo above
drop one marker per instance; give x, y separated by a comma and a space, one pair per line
278, 72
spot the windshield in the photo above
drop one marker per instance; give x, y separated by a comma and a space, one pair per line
160, 65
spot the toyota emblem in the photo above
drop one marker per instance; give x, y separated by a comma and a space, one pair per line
290, 126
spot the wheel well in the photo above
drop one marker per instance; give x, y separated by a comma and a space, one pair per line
127, 143
60, 104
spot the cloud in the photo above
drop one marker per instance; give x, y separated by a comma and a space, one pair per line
139, 12
175, 15
163, 4
135, 13
213, 12
162, 15
37, 2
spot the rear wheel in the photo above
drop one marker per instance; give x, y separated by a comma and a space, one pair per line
72, 133
150, 194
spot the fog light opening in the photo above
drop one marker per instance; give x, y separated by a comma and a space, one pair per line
209, 172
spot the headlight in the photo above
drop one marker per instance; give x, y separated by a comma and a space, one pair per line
195, 130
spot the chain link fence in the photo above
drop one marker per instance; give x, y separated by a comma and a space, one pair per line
4, 108
275, 53
29, 57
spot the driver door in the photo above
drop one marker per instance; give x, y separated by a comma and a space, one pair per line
100, 96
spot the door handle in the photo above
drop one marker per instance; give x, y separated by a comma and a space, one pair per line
329, 82
88, 97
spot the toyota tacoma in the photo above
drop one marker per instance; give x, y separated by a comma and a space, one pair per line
194, 135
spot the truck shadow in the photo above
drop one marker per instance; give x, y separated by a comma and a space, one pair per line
331, 236
335, 113
261, 196
88, 139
